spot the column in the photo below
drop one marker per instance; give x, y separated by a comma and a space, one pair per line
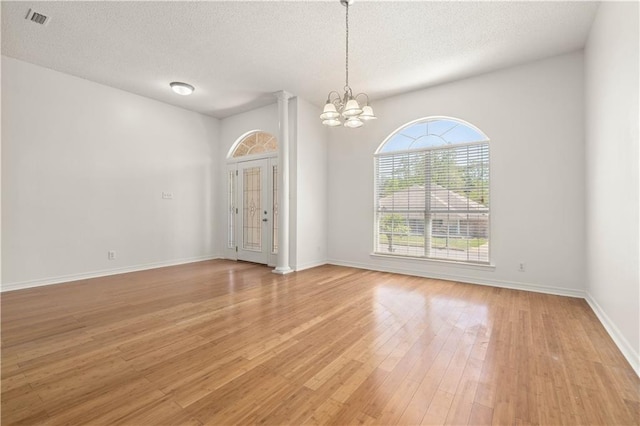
282, 260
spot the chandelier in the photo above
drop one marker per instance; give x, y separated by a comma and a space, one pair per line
346, 106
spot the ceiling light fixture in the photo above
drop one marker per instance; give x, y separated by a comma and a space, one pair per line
183, 89
346, 106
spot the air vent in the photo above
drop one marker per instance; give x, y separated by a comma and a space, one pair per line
38, 18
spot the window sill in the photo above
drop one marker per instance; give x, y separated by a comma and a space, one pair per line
467, 265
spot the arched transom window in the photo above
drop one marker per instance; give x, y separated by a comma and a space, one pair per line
432, 192
255, 143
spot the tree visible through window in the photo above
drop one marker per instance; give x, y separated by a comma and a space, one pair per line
432, 192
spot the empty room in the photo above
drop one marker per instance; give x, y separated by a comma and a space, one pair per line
320, 212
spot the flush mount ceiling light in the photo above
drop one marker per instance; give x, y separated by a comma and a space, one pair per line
346, 105
183, 89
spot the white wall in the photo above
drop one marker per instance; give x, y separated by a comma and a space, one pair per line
612, 178
533, 115
310, 188
83, 169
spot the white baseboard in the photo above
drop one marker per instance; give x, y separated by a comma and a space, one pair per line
309, 265
631, 355
558, 291
102, 273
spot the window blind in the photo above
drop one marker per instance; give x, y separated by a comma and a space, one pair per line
434, 202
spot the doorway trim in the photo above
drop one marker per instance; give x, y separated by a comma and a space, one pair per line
251, 147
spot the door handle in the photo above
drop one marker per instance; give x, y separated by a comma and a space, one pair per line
265, 219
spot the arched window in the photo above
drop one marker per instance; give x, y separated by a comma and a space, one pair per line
255, 143
432, 192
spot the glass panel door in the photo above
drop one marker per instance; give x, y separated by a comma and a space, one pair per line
252, 208
254, 216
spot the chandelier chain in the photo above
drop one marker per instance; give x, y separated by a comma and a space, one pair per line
347, 48
345, 109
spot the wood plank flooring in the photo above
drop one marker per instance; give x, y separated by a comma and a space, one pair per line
221, 342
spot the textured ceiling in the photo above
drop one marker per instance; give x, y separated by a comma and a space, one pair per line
237, 53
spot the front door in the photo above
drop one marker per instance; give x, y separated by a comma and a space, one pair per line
255, 227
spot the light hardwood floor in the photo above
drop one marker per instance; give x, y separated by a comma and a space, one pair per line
221, 342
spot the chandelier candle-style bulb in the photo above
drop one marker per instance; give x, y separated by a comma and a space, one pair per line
332, 122
367, 113
329, 112
353, 122
346, 106
351, 109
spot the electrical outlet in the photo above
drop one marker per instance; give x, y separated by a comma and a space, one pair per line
167, 195
111, 254
521, 267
